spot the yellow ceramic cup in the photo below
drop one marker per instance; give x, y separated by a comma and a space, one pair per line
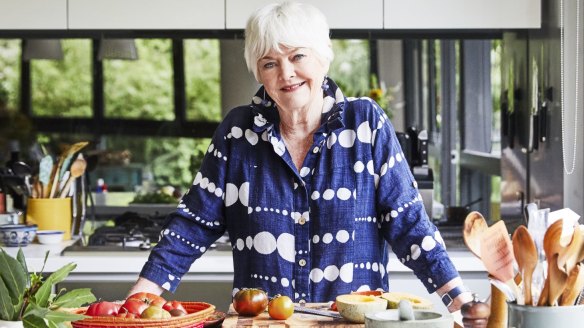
50, 214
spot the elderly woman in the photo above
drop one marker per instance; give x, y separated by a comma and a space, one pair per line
310, 185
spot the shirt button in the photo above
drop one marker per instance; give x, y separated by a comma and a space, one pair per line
315, 150
301, 221
302, 262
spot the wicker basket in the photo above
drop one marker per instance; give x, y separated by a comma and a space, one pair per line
197, 313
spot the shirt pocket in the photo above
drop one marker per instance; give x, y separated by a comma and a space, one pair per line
270, 200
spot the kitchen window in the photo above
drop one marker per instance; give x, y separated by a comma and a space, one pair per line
453, 94
140, 88
62, 88
150, 118
9, 73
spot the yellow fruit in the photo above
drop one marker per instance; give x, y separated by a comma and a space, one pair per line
353, 306
418, 302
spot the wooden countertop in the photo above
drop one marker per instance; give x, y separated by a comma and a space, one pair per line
296, 320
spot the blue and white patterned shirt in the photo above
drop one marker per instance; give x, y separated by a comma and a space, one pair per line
312, 233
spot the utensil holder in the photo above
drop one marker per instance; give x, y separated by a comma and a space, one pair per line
50, 214
523, 316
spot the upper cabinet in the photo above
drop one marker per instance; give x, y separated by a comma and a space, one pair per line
233, 14
33, 14
462, 14
341, 14
146, 14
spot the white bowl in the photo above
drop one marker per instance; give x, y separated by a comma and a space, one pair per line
50, 237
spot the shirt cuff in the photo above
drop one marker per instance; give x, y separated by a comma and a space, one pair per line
158, 275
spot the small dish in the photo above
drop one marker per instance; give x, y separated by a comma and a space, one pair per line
214, 320
15, 235
50, 237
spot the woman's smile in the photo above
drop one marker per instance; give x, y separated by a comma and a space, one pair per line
293, 87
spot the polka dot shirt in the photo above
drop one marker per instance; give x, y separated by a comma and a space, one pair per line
312, 233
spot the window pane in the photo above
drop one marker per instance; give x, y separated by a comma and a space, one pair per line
351, 67
141, 88
202, 79
63, 87
9, 73
496, 53
146, 163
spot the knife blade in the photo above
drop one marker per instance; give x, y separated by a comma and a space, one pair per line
332, 314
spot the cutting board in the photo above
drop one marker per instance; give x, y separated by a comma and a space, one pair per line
296, 320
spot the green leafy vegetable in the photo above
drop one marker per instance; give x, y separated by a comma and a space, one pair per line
28, 297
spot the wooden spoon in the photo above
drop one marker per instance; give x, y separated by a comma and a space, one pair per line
526, 257
573, 286
474, 226
55, 178
568, 256
77, 170
556, 278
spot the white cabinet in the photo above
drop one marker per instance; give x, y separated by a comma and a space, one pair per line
341, 14
462, 14
146, 14
33, 14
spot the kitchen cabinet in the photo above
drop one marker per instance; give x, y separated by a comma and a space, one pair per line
462, 14
341, 14
146, 14
33, 14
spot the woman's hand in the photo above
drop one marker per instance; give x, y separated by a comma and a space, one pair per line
145, 285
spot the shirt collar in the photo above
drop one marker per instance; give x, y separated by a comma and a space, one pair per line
266, 113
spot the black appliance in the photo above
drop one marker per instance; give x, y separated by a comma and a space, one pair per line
414, 144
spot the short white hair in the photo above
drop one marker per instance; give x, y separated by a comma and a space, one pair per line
288, 24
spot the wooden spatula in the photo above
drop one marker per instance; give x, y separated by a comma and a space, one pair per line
497, 255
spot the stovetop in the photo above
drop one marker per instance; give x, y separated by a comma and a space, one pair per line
133, 233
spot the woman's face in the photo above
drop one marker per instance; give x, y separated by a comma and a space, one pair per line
292, 78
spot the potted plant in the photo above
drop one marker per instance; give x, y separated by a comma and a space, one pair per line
27, 299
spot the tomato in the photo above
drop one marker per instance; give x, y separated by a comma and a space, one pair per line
148, 298
281, 307
101, 309
172, 305
334, 306
250, 302
134, 306
127, 315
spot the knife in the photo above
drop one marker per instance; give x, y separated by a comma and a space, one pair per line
332, 314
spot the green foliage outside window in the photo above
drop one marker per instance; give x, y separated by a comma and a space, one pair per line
141, 88
202, 79
9, 73
351, 66
62, 88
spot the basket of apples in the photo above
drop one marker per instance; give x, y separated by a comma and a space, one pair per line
144, 310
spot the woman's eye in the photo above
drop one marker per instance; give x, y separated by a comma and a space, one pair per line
269, 65
298, 57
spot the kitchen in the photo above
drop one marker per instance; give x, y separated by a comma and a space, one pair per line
406, 43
